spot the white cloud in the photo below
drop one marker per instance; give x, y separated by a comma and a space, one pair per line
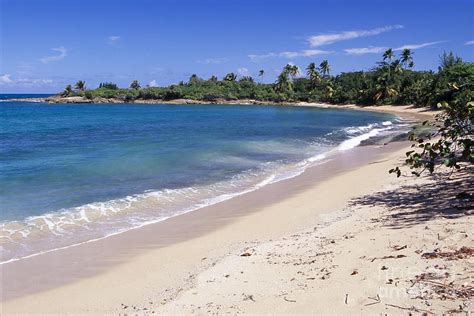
469, 43
4, 79
218, 60
255, 57
113, 39
27, 81
417, 46
365, 50
379, 49
153, 83
304, 53
62, 53
243, 71
290, 54
330, 38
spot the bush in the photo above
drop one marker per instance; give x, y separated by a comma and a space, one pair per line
451, 142
108, 85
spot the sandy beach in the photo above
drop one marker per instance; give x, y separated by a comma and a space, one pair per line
219, 158
344, 237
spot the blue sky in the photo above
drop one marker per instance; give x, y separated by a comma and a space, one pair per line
46, 44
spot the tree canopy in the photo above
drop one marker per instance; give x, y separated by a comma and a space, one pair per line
392, 80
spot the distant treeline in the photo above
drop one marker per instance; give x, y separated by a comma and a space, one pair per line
391, 81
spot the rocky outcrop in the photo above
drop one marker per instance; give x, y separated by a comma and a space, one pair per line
83, 100
60, 99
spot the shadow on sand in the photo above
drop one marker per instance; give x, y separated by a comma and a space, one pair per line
448, 196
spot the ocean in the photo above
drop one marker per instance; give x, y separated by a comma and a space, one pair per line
71, 174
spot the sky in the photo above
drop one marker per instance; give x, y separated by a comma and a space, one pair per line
47, 44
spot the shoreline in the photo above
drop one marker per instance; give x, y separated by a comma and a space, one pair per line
407, 114
61, 269
111, 256
419, 112
297, 168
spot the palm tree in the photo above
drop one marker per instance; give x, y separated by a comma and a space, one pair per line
384, 89
230, 77
407, 58
292, 70
67, 91
135, 85
283, 82
80, 85
397, 66
313, 74
329, 92
295, 71
324, 67
388, 54
261, 72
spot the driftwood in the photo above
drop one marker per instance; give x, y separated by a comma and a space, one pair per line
388, 257
444, 290
462, 253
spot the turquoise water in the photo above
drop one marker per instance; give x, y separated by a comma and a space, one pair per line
72, 173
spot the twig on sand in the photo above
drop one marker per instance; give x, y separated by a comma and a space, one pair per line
249, 297
376, 299
388, 257
291, 301
398, 248
413, 309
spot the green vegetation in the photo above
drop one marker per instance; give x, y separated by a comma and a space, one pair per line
80, 85
108, 85
135, 85
67, 91
391, 81
450, 143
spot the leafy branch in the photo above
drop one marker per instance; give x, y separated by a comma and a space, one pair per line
449, 145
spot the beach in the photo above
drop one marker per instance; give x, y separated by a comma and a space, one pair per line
290, 247
198, 158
